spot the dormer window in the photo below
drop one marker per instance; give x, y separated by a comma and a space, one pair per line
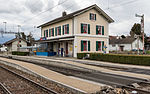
93, 16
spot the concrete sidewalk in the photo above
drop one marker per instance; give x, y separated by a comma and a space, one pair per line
72, 82
129, 74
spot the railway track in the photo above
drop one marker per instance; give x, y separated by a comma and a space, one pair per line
4, 90
14, 83
108, 79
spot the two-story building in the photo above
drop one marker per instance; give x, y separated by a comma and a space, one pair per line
86, 30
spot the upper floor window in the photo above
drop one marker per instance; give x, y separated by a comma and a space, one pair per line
51, 32
85, 45
57, 30
66, 29
45, 33
85, 28
99, 30
92, 16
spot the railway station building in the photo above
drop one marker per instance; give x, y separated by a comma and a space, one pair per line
83, 31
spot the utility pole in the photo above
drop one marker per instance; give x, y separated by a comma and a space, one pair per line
142, 28
5, 25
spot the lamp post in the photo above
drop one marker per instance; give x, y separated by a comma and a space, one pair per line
142, 27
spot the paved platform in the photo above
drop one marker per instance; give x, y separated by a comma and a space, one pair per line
85, 86
136, 75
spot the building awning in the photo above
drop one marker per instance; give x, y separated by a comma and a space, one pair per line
56, 39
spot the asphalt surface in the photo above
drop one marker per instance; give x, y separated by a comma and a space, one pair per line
113, 67
99, 77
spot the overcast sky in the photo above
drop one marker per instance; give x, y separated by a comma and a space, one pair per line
31, 13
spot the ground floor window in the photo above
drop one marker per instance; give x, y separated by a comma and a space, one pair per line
99, 45
85, 45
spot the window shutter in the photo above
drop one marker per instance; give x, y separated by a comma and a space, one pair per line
50, 32
88, 28
82, 47
67, 28
55, 31
96, 30
82, 28
59, 30
90, 16
102, 30
103, 45
63, 29
95, 17
96, 45
88, 45
44, 33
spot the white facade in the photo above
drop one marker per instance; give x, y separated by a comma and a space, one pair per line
3, 49
126, 47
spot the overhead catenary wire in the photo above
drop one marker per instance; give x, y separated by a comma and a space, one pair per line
45, 11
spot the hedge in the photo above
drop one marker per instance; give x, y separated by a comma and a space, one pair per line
118, 58
20, 53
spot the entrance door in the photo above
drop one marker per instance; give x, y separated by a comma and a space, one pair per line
58, 49
121, 48
66, 48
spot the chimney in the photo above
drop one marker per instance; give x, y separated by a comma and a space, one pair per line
64, 13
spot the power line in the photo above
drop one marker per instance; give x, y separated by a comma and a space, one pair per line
122, 4
46, 10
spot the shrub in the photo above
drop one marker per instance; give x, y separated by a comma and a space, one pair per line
20, 53
118, 58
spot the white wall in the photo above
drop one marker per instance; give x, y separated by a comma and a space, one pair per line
15, 43
127, 47
135, 45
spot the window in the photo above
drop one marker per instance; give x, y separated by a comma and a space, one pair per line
99, 45
92, 16
99, 30
51, 32
45, 33
85, 45
57, 30
66, 29
85, 28
113, 45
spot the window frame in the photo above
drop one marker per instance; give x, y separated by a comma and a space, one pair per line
92, 16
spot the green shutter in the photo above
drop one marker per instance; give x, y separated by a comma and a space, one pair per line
88, 28
49, 32
67, 28
82, 28
96, 29
82, 47
55, 31
88, 45
102, 45
63, 30
95, 17
96, 45
59, 30
90, 16
102, 30
44, 33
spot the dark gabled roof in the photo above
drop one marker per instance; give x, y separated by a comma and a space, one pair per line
76, 13
121, 41
12, 40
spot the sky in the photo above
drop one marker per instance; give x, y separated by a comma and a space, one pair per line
31, 13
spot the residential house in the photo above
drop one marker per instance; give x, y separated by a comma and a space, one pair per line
83, 31
15, 44
124, 44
